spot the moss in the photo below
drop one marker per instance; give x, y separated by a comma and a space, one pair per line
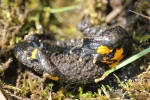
139, 88
18, 17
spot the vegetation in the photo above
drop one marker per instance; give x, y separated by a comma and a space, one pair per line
59, 19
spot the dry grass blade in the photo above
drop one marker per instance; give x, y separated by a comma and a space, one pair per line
140, 14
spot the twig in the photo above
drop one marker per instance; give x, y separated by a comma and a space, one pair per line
140, 14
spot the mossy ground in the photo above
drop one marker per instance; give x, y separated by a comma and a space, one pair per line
59, 19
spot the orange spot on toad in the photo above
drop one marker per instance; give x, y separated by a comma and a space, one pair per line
118, 56
55, 78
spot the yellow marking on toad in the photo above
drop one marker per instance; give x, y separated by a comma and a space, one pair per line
55, 78
33, 56
107, 60
103, 50
118, 56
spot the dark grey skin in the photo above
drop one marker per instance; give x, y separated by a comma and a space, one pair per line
111, 38
59, 63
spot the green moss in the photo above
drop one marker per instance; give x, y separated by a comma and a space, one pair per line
141, 38
18, 17
47, 90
